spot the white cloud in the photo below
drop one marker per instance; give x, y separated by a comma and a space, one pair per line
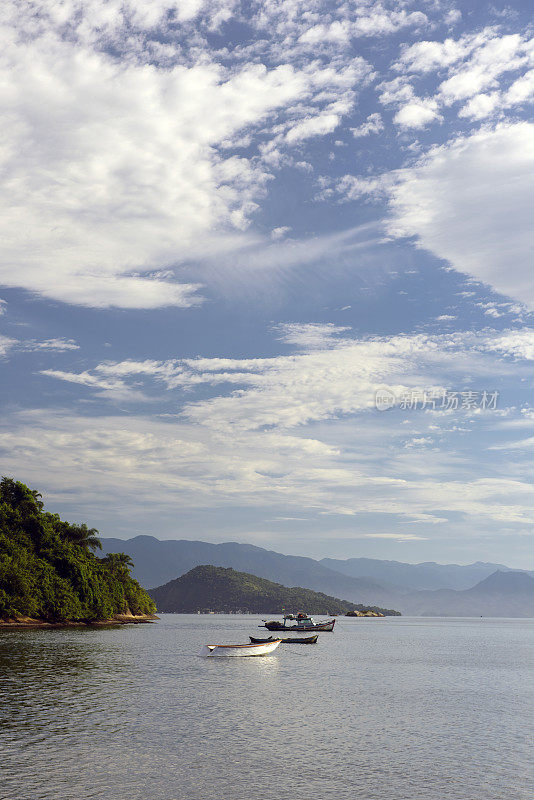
310, 335
375, 20
470, 201
427, 56
313, 126
517, 343
413, 111
337, 32
373, 124
417, 113
112, 387
480, 106
497, 56
57, 345
285, 433
328, 25
279, 233
380, 21
6, 343
521, 90
267, 263
478, 67
335, 375
352, 187
117, 169
130, 461
96, 21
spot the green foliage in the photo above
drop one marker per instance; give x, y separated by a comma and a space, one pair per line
48, 568
208, 588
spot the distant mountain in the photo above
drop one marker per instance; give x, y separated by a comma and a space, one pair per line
209, 588
157, 562
410, 577
502, 594
426, 588
505, 583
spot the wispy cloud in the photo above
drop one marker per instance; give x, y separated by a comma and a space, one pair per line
6, 343
478, 67
128, 172
57, 345
468, 202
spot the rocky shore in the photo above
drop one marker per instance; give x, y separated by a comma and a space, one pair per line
364, 614
20, 623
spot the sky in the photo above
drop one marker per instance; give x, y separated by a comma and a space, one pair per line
266, 271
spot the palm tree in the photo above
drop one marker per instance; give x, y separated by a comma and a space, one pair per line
119, 563
83, 536
118, 558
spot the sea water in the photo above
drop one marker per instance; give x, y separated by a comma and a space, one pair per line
381, 709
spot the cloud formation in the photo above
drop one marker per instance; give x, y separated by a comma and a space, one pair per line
469, 202
332, 375
118, 168
489, 72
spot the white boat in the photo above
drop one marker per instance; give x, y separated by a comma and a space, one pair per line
226, 650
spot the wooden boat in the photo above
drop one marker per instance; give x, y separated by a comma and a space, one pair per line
227, 650
292, 640
303, 622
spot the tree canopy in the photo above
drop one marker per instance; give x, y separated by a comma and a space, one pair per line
48, 567
209, 588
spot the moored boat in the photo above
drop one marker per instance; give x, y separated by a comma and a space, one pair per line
227, 650
290, 640
303, 622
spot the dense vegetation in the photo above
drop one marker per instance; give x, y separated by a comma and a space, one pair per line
208, 588
48, 569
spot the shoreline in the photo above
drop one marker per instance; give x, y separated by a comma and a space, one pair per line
22, 623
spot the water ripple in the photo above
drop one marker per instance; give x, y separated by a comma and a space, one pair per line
394, 709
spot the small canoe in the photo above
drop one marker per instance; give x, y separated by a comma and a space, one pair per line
226, 650
292, 640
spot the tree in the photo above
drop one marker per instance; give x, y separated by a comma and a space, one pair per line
82, 535
119, 563
48, 569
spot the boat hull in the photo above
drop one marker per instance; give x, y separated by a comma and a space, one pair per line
318, 627
291, 640
239, 650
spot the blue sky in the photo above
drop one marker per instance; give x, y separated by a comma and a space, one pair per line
226, 226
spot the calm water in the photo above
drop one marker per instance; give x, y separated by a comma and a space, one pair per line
395, 709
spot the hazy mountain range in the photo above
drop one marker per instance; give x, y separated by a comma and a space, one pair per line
424, 589
501, 594
157, 562
208, 588
427, 575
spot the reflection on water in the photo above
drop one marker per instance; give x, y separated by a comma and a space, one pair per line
394, 709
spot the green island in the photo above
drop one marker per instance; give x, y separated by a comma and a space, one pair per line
224, 590
50, 575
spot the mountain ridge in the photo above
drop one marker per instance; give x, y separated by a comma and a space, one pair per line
502, 594
424, 575
158, 562
222, 589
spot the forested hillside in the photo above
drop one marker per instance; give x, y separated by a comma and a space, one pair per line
49, 570
209, 588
